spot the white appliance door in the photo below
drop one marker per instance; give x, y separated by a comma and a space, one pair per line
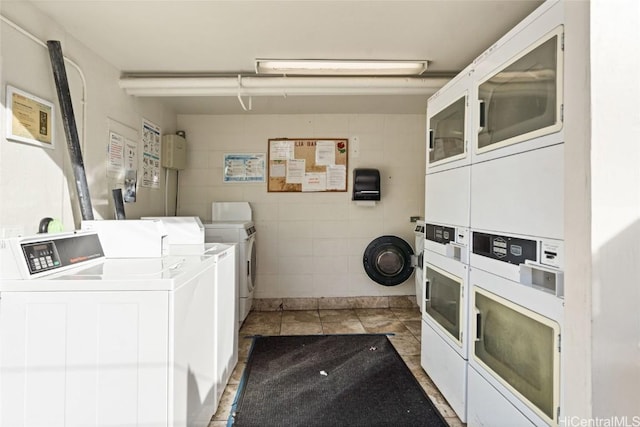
447, 129
522, 100
445, 306
518, 351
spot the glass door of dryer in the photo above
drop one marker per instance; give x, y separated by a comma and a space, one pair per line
520, 349
523, 99
447, 133
444, 302
448, 121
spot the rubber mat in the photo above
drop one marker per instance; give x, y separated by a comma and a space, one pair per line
329, 380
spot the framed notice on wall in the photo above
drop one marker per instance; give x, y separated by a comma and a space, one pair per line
307, 164
244, 167
29, 119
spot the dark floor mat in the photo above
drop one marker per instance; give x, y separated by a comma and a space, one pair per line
329, 380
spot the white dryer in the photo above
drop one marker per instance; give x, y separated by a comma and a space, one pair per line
232, 223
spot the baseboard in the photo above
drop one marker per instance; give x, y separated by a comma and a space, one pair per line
333, 303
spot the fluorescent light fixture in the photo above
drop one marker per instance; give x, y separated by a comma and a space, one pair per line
317, 67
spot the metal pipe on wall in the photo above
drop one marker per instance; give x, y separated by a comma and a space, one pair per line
70, 128
276, 86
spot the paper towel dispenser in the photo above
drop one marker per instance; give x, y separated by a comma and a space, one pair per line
366, 184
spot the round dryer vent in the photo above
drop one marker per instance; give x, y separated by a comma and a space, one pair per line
387, 260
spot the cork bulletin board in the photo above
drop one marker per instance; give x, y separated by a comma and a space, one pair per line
307, 164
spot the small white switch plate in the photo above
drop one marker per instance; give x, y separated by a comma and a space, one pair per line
355, 146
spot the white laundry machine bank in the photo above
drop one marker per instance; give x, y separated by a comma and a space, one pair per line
93, 341
232, 223
497, 200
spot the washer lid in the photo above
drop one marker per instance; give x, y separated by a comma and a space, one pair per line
388, 260
231, 211
119, 274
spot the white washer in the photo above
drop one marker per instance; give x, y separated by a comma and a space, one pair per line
418, 230
94, 341
232, 223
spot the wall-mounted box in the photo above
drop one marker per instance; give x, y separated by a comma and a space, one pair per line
366, 184
174, 152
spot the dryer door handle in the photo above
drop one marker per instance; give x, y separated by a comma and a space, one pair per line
478, 324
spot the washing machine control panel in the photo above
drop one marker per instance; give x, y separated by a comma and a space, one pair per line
52, 254
41, 256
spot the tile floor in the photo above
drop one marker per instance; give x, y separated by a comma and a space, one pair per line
404, 323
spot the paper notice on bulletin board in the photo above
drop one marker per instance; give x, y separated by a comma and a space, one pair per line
295, 171
336, 177
150, 154
314, 182
326, 153
281, 150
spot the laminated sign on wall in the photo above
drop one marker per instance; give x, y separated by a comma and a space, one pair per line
244, 167
305, 165
151, 154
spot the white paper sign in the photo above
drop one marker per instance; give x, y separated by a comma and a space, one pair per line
281, 150
295, 171
325, 153
115, 157
278, 170
336, 177
315, 181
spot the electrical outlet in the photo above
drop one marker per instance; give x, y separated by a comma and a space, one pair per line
12, 231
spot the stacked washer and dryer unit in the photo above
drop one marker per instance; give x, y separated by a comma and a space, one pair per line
493, 293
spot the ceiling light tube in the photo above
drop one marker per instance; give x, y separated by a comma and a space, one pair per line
340, 67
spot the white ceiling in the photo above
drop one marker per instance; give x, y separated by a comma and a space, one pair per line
215, 36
